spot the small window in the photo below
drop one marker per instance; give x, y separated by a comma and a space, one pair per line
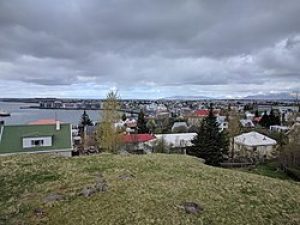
35, 143
254, 148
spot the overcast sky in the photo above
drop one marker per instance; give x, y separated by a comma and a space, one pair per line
148, 48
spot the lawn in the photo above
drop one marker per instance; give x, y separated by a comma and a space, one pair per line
268, 170
141, 189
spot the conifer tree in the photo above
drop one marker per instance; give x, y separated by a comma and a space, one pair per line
269, 120
85, 120
210, 144
141, 123
256, 113
273, 119
124, 117
265, 120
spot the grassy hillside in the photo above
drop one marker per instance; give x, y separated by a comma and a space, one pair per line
141, 190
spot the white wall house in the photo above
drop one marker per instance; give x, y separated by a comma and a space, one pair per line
223, 124
249, 115
177, 141
254, 145
247, 123
278, 128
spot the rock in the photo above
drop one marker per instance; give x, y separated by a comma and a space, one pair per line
124, 153
88, 191
53, 197
192, 207
39, 212
101, 186
126, 177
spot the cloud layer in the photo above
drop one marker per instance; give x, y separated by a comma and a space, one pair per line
148, 49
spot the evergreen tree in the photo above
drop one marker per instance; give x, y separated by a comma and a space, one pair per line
85, 120
256, 113
265, 120
269, 120
124, 117
274, 120
141, 123
283, 118
210, 144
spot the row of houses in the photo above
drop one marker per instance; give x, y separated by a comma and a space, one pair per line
56, 137
69, 105
45, 136
50, 136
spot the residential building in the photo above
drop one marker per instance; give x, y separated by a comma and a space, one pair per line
179, 126
223, 124
137, 143
247, 123
254, 145
249, 115
177, 142
36, 138
198, 115
278, 128
264, 108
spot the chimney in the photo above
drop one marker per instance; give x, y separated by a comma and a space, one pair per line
57, 125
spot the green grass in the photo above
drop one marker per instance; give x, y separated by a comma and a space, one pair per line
269, 170
161, 183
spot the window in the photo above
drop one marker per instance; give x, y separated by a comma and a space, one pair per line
35, 143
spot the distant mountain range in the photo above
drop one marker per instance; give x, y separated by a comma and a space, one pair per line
283, 95
270, 96
186, 98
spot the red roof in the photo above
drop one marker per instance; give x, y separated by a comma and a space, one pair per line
44, 122
257, 119
132, 138
204, 112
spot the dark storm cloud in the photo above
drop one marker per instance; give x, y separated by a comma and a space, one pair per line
158, 43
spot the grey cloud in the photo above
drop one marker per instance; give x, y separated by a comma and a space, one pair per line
165, 43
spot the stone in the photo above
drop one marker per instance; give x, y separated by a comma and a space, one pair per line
39, 212
101, 185
126, 177
124, 153
88, 191
192, 207
53, 197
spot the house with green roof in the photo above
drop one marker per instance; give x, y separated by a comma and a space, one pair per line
36, 138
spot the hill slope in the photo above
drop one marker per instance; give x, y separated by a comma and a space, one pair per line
141, 190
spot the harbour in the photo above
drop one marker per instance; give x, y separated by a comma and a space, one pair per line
23, 113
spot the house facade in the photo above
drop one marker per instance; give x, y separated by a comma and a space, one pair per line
177, 142
137, 143
254, 145
36, 138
